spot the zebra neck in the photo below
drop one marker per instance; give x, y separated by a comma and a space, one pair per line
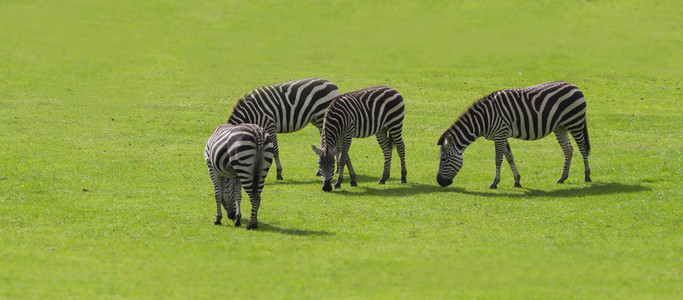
467, 130
329, 140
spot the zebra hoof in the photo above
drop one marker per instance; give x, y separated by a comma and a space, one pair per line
353, 183
338, 185
251, 226
561, 180
231, 215
217, 222
517, 185
278, 177
493, 186
238, 222
403, 180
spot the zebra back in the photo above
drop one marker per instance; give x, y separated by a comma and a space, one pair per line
288, 106
528, 113
363, 113
244, 151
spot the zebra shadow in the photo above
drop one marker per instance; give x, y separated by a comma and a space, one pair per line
291, 231
392, 188
591, 189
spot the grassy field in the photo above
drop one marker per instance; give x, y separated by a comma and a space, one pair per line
105, 108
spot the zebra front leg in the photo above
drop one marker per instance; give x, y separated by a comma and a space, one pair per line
500, 150
352, 172
340, 176
511, 161
218, 183
567, 149
385, 144
342, 159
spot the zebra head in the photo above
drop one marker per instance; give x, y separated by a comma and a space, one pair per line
450, 160
326, 165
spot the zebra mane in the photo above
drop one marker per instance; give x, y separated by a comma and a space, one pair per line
465, 112
237, 105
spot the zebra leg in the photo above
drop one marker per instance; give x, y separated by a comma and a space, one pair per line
500, 150
511, 161
340, 167
237, 197
255, 203
276, 151
581, 138
320, 130
218, 183
385, 144
343, 158
401, 149
352, 172
230, 194
567, 149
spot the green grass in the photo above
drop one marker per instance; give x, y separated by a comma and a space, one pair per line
105, 108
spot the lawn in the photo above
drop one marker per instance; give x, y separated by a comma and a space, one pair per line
106, 106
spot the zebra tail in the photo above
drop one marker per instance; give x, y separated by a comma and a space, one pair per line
260, 144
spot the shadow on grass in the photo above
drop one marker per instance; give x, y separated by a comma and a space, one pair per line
590, 189
395, 189
300, 232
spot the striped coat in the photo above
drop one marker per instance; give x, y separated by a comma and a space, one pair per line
529, 113
238, 156
374, 111
285, 107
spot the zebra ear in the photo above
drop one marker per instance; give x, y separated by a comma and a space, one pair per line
446, 141
317, 150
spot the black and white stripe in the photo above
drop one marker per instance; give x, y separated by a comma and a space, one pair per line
238, 156
529, 113
372, 111
285, 107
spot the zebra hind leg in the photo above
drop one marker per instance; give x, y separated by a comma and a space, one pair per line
229, 199
385, 144
276, 152
401, 149
513, 166
567, 149
237, 198
255, 203
218, 183
581, 138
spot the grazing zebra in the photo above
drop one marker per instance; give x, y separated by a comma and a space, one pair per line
285, 107
529, 113
375, 110
238, 156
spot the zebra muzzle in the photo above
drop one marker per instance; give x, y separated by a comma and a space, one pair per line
327, 186
443, 182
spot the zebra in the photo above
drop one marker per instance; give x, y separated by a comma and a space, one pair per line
529, 113
285, 107
238, 156
375, 111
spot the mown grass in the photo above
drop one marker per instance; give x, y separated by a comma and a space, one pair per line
105, 108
